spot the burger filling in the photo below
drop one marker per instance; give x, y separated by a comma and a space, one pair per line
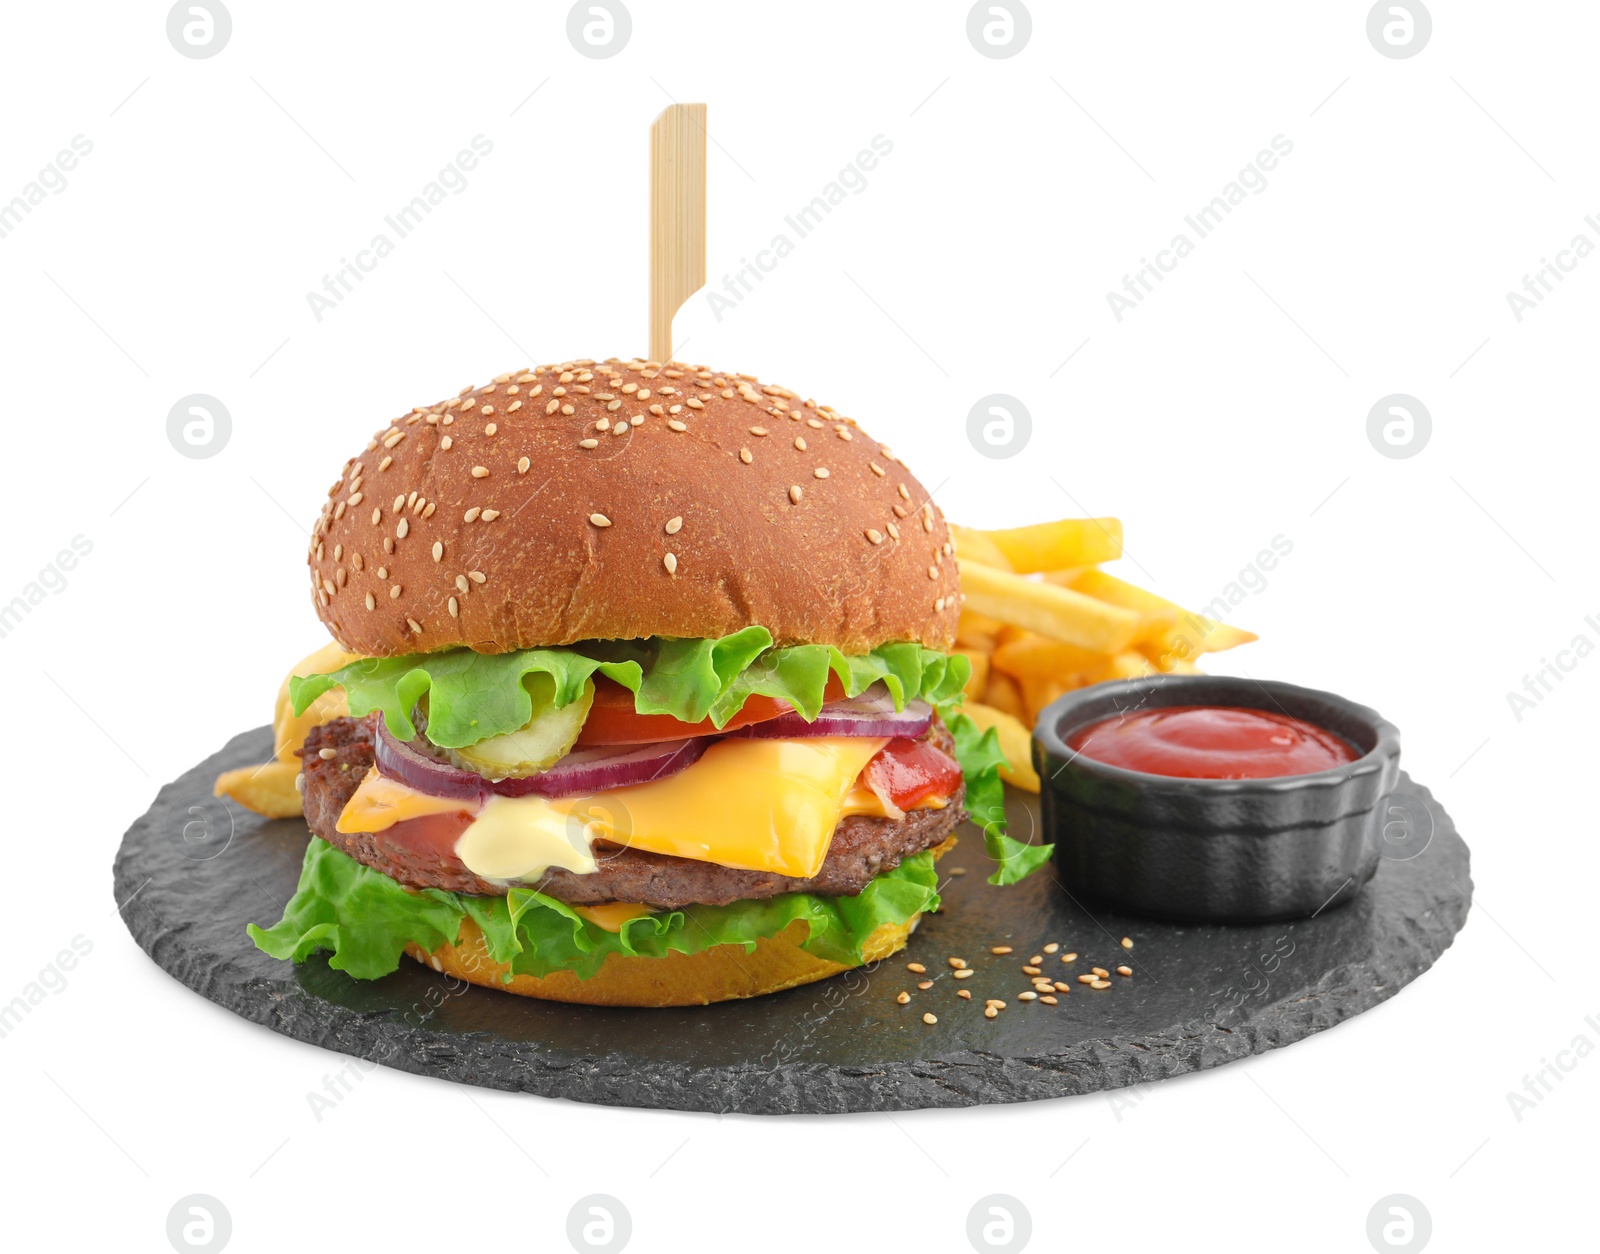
637, 797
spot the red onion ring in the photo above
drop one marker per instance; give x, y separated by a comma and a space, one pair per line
582, 771
870, 714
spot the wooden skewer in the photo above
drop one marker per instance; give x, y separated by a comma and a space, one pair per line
677, 218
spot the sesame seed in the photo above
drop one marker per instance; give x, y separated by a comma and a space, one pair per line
488, 409
449, 418
1100, 971
461, 582
513, 407
589, 443
899, 510
800, 443
927, 522
472, 514
599, 520
477, 576
670, 561
963, 973
905, 494
568, 410
371, 604
445, 442
674, 525
637, 420
1124, 970
621, 428
454, 607
874, 536
989, 1012
745, 456
522, 465
925, 984
1069, 957
401, 530
1048, 1000
1051, 947
996, 1002
480, 472
1029, 996
964, 993
677, 426
552, 407
438, 550
1126, 943
956, 963
489, 515
603, 425
1000, 950
903, 997
692, 403
758, 431
1062, 987
1087, 979
377, 516
916, 968
1101, 984
843, 433
394, 439
795, 493
1030, 971
388, 544
821, 472
933, 572
394, 592
491, 428
893, 530
812, 422
416, 627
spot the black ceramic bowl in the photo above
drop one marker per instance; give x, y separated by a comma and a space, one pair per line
1213, 850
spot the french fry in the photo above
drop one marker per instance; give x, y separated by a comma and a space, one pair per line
1184, 636
1130, 664
1002, 693
1053, 545
979, 547
267, 789
980, 671
1037, 657
1038, 693
977, 629
1015, 742
1060, 613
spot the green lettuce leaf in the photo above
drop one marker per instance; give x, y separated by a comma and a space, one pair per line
472, 696
365, 919
981, 758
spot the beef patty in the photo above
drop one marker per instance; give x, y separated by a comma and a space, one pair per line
862, 846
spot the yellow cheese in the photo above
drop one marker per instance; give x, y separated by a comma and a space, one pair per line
611, 915
754, 804
382, 802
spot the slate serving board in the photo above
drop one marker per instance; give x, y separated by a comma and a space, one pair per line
195, 869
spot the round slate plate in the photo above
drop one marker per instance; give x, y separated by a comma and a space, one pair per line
194, 870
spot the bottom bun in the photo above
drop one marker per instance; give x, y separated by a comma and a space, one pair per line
721, 973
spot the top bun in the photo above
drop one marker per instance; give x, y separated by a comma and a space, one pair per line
617, 500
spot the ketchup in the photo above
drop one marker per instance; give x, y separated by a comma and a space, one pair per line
1212, 742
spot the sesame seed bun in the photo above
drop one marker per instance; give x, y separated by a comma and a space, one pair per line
514, 515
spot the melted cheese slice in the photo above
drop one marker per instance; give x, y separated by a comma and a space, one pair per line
381, 802
611, 915
757, 805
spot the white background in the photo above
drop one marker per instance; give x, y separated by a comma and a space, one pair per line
1229, 408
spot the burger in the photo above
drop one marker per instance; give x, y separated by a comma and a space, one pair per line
642, 692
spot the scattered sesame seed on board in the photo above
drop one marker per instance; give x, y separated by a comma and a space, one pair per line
1051, 947
1086, 979
674, 525
1100, 971
599, 520
930, 1018
1000, 950
963, 973
1124, 970
916, 968
1030, 971
925, 984
1101, 984
964, 993
1028, 996
1036, 959
902, 997
1062, 987
989, 1012
1126, 943
1049, 999
1069, 957
956, 963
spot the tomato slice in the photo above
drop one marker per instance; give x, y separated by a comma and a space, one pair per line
908, 771
613, 720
